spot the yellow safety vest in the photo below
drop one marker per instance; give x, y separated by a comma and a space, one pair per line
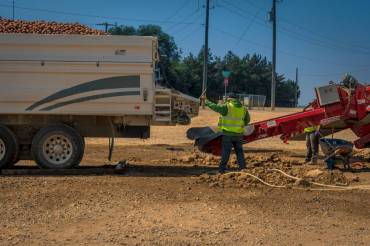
310, 129
234, 120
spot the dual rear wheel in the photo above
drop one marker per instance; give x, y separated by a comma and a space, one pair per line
57, 147
53, 147
9, 147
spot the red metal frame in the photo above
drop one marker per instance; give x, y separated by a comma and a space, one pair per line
351, 110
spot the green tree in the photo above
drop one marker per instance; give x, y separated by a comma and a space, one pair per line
285, 91
250, 74
123, 30
169, 52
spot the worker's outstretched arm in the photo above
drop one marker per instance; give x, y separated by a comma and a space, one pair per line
247, 118
222, 109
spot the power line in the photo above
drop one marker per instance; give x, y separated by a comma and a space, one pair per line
237, 37
186, 26
238, 7
251, 3
282, 52
182, 19
334, 74
237, 10
321, 75
334, 41
296, 35
319, 43
248, 27
96, 16
190, 34
175, 23
297, 56
183, 5
315, 60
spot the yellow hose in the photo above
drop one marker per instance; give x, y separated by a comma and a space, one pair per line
331, 187
259, 179
362, 187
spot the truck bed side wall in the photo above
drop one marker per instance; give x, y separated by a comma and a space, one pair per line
76, 75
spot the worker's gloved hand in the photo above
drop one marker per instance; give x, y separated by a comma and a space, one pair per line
203, 99
248, 130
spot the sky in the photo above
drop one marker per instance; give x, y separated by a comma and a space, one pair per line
323, 38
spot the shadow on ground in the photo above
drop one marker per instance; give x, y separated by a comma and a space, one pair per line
131, 170
137, 170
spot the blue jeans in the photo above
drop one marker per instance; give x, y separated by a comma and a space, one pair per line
228, 142
312, 144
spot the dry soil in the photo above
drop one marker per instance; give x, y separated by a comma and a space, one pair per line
169, 196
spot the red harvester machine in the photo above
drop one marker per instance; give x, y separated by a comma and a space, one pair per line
336, 107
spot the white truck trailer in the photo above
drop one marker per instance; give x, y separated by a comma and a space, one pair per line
55, 90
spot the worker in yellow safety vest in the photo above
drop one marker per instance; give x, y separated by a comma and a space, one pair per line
233, 117
312, 143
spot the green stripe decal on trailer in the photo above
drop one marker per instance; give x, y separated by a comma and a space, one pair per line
119, 82
90, 98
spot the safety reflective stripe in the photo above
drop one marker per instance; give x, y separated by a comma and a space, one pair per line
234, 120
233, 125
230, 118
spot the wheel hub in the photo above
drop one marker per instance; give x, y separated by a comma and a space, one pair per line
57, 149
2, 149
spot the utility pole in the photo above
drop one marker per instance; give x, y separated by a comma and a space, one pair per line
273, 77
13, 10
296, 88
205, 60
106, 25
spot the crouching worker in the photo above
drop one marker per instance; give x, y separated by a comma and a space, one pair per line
234, 116
312, 144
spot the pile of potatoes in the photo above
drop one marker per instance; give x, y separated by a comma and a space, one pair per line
43, 27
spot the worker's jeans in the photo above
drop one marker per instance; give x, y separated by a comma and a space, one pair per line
228, 142
312, 143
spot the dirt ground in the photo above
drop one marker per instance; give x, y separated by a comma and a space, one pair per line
169, 196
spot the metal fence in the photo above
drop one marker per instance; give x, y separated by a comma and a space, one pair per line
253, 101
250, 100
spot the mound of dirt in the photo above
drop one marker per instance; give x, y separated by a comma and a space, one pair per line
43, 27
241, 179
261, 166
362, 154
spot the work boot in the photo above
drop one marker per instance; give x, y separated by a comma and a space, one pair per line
243, 169
221, 171
212, 172
313, 162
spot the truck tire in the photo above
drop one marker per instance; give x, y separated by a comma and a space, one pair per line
9, 147
57, 147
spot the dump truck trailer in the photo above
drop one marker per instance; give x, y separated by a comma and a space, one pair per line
58, 89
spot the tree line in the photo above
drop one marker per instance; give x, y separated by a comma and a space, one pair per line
250, 74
